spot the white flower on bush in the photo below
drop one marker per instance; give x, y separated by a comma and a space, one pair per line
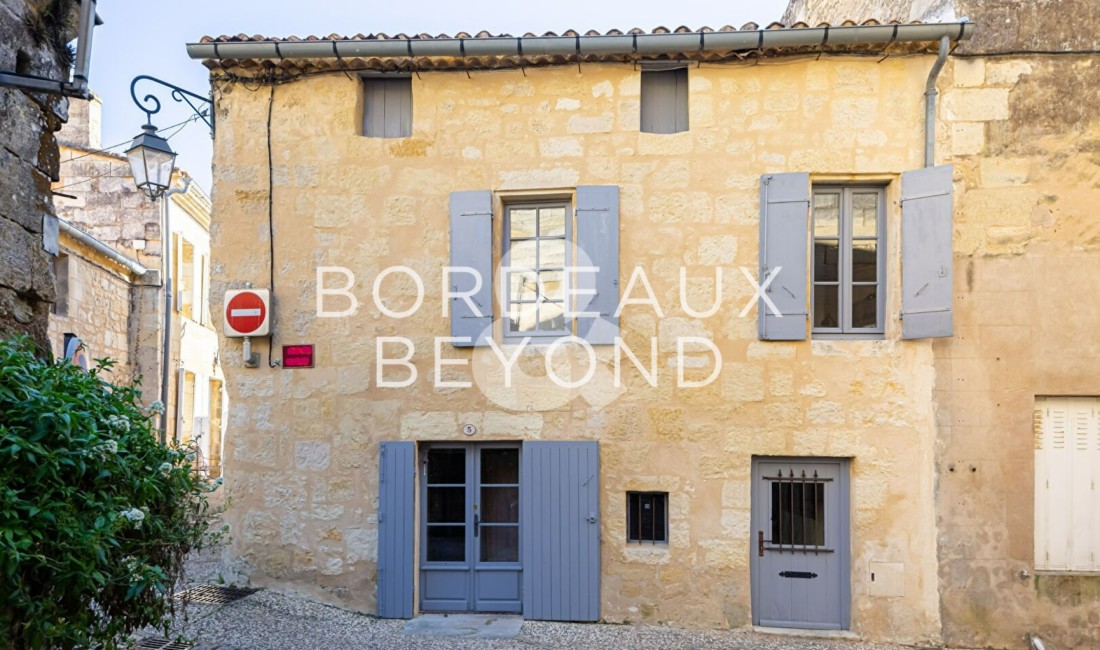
118, 424
134, 516
110, 446
190, 456
214, 485
165, 468
156, 408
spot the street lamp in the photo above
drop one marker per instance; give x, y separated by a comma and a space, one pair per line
151, 162
151, 159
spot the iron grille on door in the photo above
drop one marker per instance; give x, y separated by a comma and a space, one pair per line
798, 512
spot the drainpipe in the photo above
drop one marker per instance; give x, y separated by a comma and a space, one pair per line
166, 250
930, 93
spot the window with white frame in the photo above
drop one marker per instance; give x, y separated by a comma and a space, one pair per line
848, 261
536, 248
1067, 470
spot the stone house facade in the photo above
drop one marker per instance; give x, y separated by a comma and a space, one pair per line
964, 464
118, 312
1016, 387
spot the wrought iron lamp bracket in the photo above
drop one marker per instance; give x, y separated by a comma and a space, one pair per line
149, 104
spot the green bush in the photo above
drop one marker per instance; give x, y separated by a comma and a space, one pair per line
96, 515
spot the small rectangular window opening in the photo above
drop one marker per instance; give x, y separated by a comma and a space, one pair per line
387, 107
647, 517
664, 101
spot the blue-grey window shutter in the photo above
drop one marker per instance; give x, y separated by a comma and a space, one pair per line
387, 107
559, 509
598, 238
472, 247
926, 253
396, 527
664, 101
784, 239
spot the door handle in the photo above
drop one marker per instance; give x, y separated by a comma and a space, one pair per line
760, 542
477, 524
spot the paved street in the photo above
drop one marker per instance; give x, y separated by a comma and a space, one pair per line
267, 620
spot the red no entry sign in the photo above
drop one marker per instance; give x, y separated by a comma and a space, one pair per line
246, 312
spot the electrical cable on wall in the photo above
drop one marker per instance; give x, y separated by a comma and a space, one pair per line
271, 232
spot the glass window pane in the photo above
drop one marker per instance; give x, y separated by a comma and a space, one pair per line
865, 214
865, 305
446, 505
551, 253
865, 261
826, 305
522, 286
500, 505
500, 543
522, 222
500, 466
522, 255
551, 316
826, 215
552, 222
447, 466
523, 318
446, 543
826, 260
553, 285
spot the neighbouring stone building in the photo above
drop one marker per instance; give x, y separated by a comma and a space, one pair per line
1016, 388
30, 43
118, 311
909, 453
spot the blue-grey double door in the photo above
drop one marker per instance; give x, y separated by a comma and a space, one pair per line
470, 558
800, 545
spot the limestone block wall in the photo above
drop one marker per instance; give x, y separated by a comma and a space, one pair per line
107, 204
28, 162
95, 303
302, 459
1023, 131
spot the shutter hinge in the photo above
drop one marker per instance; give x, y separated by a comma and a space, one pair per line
924, 196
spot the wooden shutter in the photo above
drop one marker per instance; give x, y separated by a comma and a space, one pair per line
472, 248
561, 530
926, 253
598, 239
664, 101
784, 237
1067, 469
396, 527
387, 107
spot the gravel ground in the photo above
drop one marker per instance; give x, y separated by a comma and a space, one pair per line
267, 620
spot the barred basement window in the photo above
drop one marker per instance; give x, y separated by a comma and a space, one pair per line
647, 517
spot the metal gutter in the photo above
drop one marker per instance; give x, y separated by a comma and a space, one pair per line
612, 44
930, 93
100, 247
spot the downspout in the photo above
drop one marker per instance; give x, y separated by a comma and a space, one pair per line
930, 93
166, 249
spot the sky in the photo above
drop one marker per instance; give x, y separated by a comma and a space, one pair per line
148, 37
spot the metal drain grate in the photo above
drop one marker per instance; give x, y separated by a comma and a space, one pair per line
214, 594
161, 643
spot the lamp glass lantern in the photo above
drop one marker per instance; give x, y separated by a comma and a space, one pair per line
151, 162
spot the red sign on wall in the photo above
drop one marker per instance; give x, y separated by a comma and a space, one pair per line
246, 312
